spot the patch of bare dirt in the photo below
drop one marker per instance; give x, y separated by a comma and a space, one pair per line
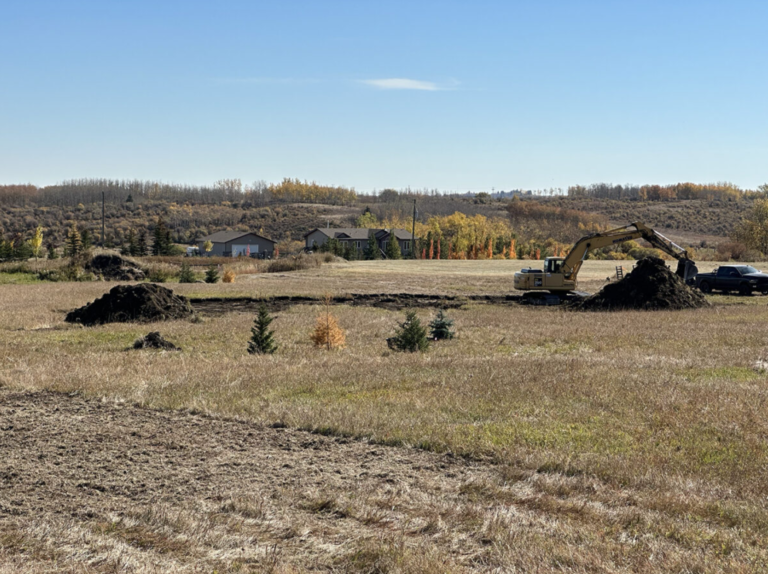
391, 301
113, 267
141, 490
154, 340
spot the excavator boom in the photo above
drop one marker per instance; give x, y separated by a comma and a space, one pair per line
559, 275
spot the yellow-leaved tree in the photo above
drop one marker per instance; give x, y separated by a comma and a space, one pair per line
37, 241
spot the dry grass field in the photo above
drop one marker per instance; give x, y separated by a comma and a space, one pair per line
537, 440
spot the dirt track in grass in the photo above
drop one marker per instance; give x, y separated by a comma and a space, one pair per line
98, 486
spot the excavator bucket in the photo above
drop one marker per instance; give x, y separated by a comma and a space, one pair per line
687, 270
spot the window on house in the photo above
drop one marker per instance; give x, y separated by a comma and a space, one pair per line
358, 244
406, 245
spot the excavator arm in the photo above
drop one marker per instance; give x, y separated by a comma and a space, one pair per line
573, 261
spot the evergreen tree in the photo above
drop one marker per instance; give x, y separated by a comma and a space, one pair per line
440, 327
392, 250
262, 341
349, 251
186, 275
372, 249
212, 274
52, 253
73, 245
133, 248
6, 250
141, 244
23, 250
444, 247
85, 238
411, 336
160, 238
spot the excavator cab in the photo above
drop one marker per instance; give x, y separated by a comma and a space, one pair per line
553, 264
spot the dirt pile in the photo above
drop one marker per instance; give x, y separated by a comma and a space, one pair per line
141, 303
114, 267
155, 340
650, 286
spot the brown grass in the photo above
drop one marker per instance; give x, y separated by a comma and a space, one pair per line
631, 441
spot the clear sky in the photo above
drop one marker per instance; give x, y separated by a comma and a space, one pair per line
469, 95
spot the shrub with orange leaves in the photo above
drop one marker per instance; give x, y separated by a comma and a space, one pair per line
327, 332
228, 277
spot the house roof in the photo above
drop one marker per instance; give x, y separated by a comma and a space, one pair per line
401, 234
227, 236
359, 233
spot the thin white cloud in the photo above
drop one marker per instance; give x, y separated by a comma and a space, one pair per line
403, 84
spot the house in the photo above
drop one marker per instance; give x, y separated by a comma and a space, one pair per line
358, 237
237, 243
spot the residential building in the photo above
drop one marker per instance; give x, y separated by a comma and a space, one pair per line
237, 243
357, 237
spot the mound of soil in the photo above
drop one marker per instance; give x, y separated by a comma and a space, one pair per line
650, 286
155, 340
141, 303
114, 267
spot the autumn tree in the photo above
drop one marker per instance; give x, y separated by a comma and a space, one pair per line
327, 332
37, 241
753, 231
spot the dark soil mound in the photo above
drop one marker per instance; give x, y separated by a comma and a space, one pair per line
141, 303
115, 268
650, 286
154, 340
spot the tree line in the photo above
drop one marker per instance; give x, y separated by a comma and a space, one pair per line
723, 191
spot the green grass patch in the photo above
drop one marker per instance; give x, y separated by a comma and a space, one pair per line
18, 278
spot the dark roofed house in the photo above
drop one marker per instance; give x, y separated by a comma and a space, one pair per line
358, 237
236, 243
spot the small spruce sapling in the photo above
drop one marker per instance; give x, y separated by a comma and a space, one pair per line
262, 341
411, 335
440, 327
212, 274
186, 275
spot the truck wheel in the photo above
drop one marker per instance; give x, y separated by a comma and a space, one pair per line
745, 290
705, 288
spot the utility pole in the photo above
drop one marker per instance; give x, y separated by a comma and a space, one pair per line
103, 218
413, 232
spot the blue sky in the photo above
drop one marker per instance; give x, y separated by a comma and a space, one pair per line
449, 95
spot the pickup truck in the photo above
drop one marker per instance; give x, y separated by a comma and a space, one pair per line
742, 278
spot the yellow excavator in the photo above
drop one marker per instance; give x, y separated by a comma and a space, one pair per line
559, 274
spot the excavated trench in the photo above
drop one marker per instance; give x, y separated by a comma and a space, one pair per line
391, 301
